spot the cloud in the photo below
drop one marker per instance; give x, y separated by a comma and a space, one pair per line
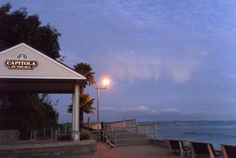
132, 67
128, 109
171, 110
139, 110
181, 70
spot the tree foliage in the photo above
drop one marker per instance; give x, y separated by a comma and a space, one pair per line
87, 71
86, 103
27, 111
17, 27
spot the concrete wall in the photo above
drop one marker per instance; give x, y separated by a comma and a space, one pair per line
48, 150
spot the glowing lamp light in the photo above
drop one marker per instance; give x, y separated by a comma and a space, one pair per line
106, 82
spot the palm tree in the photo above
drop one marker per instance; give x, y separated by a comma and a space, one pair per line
86, 103
85, 100
85, 70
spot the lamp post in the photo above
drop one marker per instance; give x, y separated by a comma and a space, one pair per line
99, 86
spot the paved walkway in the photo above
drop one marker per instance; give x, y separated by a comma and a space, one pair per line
141, 151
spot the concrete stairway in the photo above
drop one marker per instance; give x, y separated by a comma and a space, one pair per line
125, 138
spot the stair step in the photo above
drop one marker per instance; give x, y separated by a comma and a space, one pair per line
133, 142
130, 137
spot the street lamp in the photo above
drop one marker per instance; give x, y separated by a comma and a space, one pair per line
105, 82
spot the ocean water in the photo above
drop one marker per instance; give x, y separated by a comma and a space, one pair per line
215, 132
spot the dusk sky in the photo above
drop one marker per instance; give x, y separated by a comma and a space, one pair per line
168, 59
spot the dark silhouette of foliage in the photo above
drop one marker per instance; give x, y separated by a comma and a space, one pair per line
27, 111
85, 104
87, 71
17, 27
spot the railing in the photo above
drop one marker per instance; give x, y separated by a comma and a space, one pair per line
147, 128
50, 133
107, 139
110, 130
62, 134
125, 124
9, 136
